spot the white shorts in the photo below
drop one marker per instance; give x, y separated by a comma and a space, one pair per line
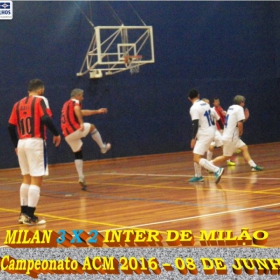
202, 144
217, 140
230, 147
32, 157
74, 139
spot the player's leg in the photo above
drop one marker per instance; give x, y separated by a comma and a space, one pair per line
245, 151
210, 151
228, 149
197, 168
201, 146
197, 174
24, 187
37, 160
75, 143
95, 135
34, 196
23, 193
79, 163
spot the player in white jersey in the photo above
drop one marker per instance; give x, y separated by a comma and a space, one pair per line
203, 135
218, 134
233, 130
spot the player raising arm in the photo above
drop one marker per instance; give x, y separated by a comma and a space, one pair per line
74, 129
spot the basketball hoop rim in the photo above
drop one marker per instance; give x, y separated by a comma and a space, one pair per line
136, 57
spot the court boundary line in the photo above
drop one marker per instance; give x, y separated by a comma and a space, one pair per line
198, 217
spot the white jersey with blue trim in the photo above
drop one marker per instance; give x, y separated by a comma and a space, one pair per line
201, 111
235, 114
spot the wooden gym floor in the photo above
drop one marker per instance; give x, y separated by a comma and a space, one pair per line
153, 192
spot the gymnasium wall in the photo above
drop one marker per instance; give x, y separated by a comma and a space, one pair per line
221, 48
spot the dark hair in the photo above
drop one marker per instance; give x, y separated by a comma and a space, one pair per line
193, 93
35, 84
215, 98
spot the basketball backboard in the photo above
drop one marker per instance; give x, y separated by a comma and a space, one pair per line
112, 45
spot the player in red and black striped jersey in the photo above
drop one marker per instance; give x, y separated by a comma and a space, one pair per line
69, 120
74, 129
27, 128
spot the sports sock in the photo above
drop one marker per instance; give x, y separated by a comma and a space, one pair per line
209, 155
197, 170
23, 193
252, 163
208, 165
23, 209
97, 138
79, 167
33, 196
30, 211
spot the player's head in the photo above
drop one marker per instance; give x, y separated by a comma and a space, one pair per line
193, 94
78, 94
239, 100
216, 101
36, 85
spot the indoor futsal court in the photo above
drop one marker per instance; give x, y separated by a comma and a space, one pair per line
138, 61
152, 192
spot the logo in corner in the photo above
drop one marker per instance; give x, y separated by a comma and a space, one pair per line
6, 10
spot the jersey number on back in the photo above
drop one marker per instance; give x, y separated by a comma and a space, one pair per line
25, 125
209, 117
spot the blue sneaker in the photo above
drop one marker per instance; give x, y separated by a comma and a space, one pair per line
196, 179
218, 175
257, 168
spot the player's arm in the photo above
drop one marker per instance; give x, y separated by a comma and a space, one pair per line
12, 127
13, 134
219, 121
194, 132
240, 127
246, 113
47, 121
86, 113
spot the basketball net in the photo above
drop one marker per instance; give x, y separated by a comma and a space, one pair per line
131, 63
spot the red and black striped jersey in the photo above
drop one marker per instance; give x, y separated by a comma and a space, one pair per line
26, 116
69, 121
219, 111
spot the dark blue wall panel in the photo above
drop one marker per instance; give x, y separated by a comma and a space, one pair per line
221, 48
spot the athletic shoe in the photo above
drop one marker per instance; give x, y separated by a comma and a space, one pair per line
21, 218
218, 175
82, 182
196, 179
106, 148
230, 163
33, 221
256, 168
